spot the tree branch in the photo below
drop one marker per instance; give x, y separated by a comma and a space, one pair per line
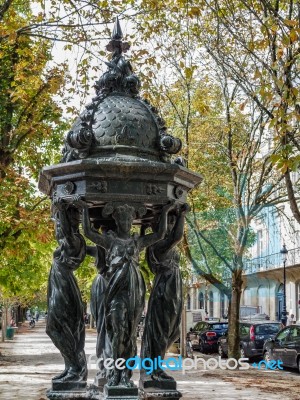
208, 276
4, 7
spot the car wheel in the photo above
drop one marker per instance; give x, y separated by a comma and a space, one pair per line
267, 356
201, 348
298, 362
220, 351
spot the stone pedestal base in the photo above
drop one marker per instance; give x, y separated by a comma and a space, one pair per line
115, 393
70, 386
120, 393
154, 390
100, 383
153, 384
90, 393
158, 394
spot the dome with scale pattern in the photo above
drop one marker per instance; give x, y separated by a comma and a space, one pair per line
119, 123
124, 120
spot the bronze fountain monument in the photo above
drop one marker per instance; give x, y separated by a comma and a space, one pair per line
117, 173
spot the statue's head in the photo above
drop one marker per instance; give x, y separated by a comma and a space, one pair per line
72, 218
124, 216
171, 221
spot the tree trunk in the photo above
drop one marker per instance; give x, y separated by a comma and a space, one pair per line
234, 315
3, 325
291, 196
183, 333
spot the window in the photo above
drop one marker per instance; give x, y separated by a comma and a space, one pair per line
195, 299
262, 299
222, 301
199, 326
294, 233
295, 333
259, 243
267, 329
297, 238
247, 302
211, 304
244, 330
205, 325
201, 300
219, 326
282, 336
188, 302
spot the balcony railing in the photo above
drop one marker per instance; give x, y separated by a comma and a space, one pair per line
271, 261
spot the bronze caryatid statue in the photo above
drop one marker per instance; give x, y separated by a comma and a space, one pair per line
125, 292
116, 178
65, 324
165, 303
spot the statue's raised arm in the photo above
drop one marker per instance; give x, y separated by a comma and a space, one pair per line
66, 217
96, 237
154, 237
175, 230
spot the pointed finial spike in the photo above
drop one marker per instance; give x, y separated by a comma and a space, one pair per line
116, 45
117, 32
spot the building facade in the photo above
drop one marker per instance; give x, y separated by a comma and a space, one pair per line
263, 276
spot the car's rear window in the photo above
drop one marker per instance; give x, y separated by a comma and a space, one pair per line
244, 330
218, 326
295, 332
198, 326
267, 329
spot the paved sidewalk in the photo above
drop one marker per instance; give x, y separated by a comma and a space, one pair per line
30, 360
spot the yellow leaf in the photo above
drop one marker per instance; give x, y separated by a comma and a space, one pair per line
242, 106
293, 36
188, 72
290, 22
280, 52
257, 74
12, 36
274, 28
295, 92
194, 11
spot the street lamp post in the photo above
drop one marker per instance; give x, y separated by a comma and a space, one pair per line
284, 253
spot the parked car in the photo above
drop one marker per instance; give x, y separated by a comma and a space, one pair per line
285, 346
252, 337
205, 334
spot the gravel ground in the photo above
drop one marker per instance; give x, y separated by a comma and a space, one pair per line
28, 362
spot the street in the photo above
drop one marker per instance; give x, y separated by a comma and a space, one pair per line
29, 361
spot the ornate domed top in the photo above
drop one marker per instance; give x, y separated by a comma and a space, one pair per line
118, 123
126, 121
